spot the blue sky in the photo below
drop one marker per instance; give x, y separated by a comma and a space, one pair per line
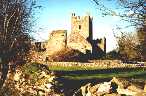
56, 14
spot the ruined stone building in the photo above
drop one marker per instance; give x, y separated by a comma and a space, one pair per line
82, 25
56, 42
81, 33
80, 38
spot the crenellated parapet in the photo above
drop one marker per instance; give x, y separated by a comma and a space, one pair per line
82, 25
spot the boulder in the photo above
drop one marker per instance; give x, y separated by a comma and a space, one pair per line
49, 86
115, 87
41, 93
89, 94
141, 94
122, 83
94, 88
104, 88
135, 88
145, 87
128, 92
112, 94
85, 89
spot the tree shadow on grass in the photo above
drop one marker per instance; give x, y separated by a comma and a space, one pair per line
101, 71
72, 85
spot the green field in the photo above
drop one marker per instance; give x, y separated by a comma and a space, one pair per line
71, 68
135, 75
73, 72
77, 73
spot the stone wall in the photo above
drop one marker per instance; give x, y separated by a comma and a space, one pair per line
96, 63
81, 25
78, 42
81, 33
56, 42
102, 44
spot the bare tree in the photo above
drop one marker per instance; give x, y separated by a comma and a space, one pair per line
128, 47
141, 32
137, 18
15, 25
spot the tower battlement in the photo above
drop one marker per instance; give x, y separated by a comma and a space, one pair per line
82, 25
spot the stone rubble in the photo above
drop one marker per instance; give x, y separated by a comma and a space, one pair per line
43, 88
42, 85
115, 87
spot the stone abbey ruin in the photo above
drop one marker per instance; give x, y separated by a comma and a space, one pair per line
80, 39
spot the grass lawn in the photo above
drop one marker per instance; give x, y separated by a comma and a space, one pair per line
78, 73
135, 75
71, 68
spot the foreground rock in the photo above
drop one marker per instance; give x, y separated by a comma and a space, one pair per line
115, 87
31, 80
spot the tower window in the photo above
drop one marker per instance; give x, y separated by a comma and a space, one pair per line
79, 26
